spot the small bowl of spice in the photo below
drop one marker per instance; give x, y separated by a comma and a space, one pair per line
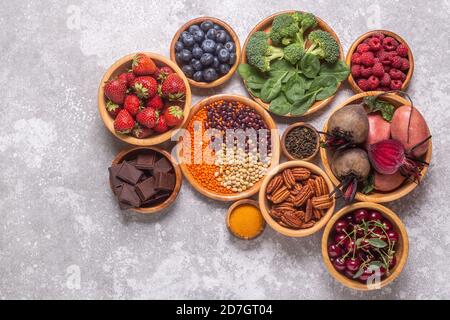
244, 219
300, 141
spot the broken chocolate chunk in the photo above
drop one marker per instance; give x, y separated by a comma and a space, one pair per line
115, 181
146, 189
145, 161
128, 196
158, 198
163, 165
129, 173
164, 181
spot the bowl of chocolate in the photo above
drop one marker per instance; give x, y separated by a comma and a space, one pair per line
145, 179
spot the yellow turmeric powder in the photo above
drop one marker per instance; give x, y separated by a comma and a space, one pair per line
246, 221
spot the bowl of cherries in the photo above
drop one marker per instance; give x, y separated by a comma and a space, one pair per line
365, 246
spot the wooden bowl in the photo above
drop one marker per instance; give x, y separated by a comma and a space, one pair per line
132, 153
283, 141
234, 37
123, 65
375, 196
401, 252
265, 205
275, 147
265, 25
230, 211
358, 41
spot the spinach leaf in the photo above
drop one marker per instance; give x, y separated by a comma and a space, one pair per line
328, 91
280, 105
339, 70
323, 82
255, 82
281, 65
302, 105
246, 70
271, 89
310, 65
294, 89
254, 92
374, 104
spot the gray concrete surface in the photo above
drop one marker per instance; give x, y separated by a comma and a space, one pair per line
59, 222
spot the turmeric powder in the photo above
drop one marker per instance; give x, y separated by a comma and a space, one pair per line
246, 221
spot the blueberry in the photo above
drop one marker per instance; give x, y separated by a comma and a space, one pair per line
188, 39
206, 25
223, 68
199, 35
208, 46
179, 46
198, 76
224, 55
207, 59
216, 63
221, 36
210, 75
178, 57
194, 28
217, 27
232, 59
228, 37
218, 47
186, 55
188, 70
197, 52
211, 34
230, 46
196, 64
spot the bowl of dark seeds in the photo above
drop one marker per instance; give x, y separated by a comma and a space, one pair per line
300, 141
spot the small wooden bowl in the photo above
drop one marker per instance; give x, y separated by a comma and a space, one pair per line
265, 205
123, 65
375, 196
234, 37
265, 25
283, 141
358, 41
230, 211
132, 153
401, 252
275, 147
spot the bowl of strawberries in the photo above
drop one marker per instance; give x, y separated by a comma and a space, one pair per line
144, 98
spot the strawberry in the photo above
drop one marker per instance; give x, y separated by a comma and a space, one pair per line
163, 72
115, 90
173, 87
174, 116
127, 77
145, 87
143, 65
161, 125
156, 103
132, 104
124, 122
141, 132
148, 117
113, 109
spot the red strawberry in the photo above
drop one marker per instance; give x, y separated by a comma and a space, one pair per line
145, 87
132, 104
127, 77
148, 117
143, 65
113, 109
161, 125
163, 72
173, 87
156, 103
174, 116
124, 122
141, 132
115, 90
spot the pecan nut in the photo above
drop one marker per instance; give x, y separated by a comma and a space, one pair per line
322, 202
301, 173
280, 195
274, 184
321, 186
288, 178
303, 196
308, 211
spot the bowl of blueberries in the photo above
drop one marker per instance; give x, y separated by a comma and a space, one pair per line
207, 50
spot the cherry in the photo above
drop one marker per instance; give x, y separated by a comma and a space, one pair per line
374, 216
392, 235
360, 233
350, 245
362, 255
339, 264
378, 231
353, 264
340, 239
366, 274
387, 224
360, 215
349, 219
349, 274
341, 225
393, 262
334, 251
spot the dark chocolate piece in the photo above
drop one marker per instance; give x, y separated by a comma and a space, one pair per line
146, 189
163, 165
129, 173
158, 198
124, 206
128, 196
145, 161
115, 182
164, 181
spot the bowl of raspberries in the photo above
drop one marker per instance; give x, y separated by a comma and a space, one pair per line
207, 50
143, 98
380, 60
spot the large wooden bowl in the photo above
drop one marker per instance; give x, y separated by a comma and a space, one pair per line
358, 41
132, 153
401, 252
265, 25
375, 196
123, 65
264, 204
234, 37
275, 148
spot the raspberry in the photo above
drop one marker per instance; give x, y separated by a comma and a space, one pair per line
366, 72
376, 60
384, 88
356, 58
363, 47
363, 84
397, 74
405, 64
373, 82
396, 62
379, 53
385, 80
375, 44
387, 69
367, 59
402, 51
356, 71
390, 44
384, 58
378, 70
396, 85
378, 35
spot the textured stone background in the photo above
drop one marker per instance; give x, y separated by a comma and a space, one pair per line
58, 216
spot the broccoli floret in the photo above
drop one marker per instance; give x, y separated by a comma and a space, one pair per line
284, 29
324, 46
305, 21
294, 53
260, 53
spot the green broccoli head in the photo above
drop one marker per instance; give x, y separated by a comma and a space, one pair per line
284, 29
324, 46
294, 52
260, 53
305, 21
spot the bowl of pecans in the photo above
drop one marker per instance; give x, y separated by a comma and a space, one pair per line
294, 199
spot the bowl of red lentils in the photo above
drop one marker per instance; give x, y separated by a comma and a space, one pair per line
230, 143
